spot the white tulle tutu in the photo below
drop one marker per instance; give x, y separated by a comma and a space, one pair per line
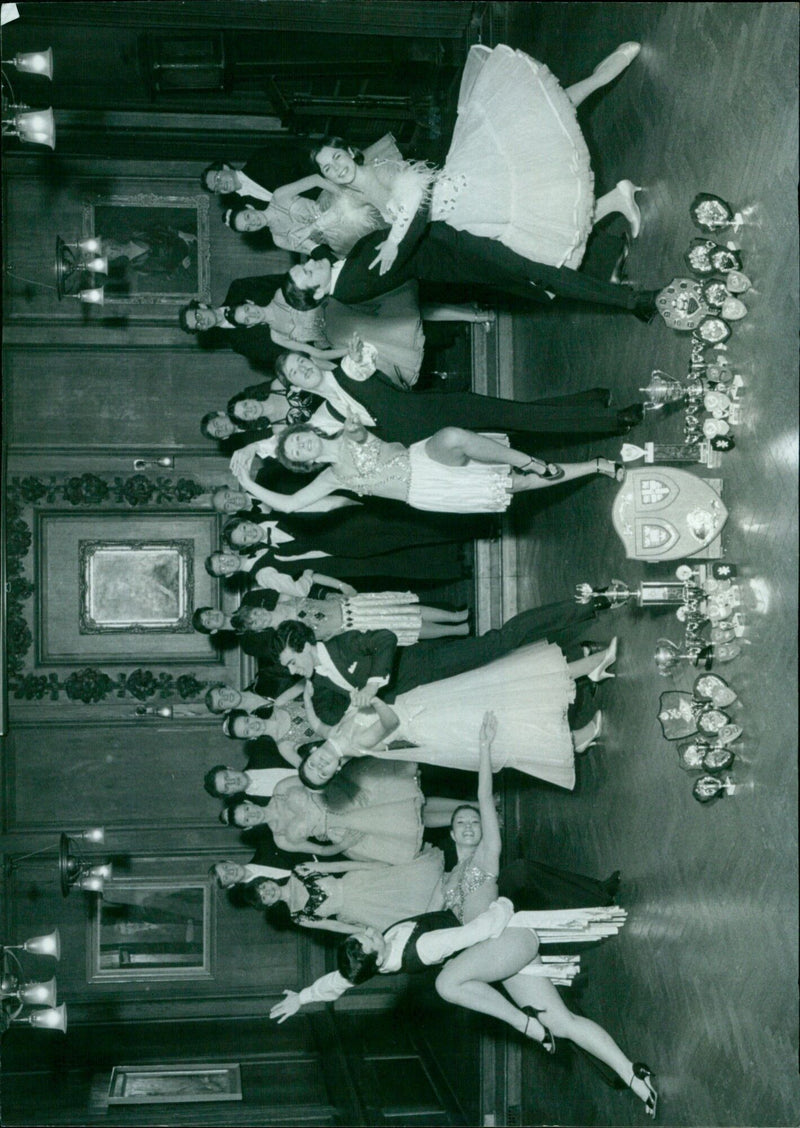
518, 168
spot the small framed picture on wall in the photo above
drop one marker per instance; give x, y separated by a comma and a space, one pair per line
174, 1084
157, 246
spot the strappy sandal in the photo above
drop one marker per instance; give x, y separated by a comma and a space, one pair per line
642, 1072
548, 1043
552, 472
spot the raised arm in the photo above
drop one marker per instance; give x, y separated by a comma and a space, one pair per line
323, 990
488, 853
304, 347
328, 924
324, 484
306, 846
407, 195
297, 187
311, 713
332, 582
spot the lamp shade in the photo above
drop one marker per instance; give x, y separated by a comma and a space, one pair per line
91, 884
39, 994
54, 1018
91, 245
103, 871
49, 945
92, 296
35, 62
36, 126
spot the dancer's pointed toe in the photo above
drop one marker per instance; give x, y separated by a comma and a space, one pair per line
629, 208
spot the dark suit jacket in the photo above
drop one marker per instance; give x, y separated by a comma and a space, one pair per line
262, 753
255, 343
359, 656
438, 253
268, 854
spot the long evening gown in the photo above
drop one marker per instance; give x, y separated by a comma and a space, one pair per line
378, 897
529, 691
517, 170
387, 816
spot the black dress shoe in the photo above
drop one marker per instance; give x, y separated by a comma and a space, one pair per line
611, 884
645, 307
631, 415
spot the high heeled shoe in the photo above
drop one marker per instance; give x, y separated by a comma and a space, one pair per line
600, 672
642, 1072
548, 1043
627, 191
597, 724
611, 469
552, 472
628, 51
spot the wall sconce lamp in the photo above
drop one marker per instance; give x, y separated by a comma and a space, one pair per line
16, 993
33, 62
37, 127
152, 711
166, 461
49, 945
75, 870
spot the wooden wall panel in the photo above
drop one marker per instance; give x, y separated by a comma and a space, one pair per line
116, 775
58, 397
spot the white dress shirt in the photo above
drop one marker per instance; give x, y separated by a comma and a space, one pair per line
263, 781
248, 187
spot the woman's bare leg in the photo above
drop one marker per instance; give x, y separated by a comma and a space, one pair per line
440, 615
432, 629
605, 72
466, 979
539, 993
471, 312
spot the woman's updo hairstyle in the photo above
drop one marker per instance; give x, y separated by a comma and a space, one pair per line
289, 463
297, 298
335, 143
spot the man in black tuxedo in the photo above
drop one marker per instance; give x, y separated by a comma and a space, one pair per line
264, 768
438, 254
248, 185
216, 329
354, 666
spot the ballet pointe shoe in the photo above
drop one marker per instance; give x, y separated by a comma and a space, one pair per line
627, 190
600, 672
644, 1073
618, 61
589, 741
548, 1043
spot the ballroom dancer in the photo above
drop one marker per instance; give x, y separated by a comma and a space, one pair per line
536, 1009
518, 169
355, 389
353, 667
345, 897
530, 690
453, 471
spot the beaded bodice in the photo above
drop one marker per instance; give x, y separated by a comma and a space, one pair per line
300, 731
463, 880
292, 224
324, 616
373, 467
316, 897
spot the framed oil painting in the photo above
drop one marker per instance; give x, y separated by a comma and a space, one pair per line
158, 247
151, 930
136, 586
167, 1084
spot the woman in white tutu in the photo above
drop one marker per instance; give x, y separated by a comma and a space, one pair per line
454, 471
518, 168
529, 690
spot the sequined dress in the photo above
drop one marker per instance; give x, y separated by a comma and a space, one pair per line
408, 474
517, 170
461, 882
377, 897
396, 611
